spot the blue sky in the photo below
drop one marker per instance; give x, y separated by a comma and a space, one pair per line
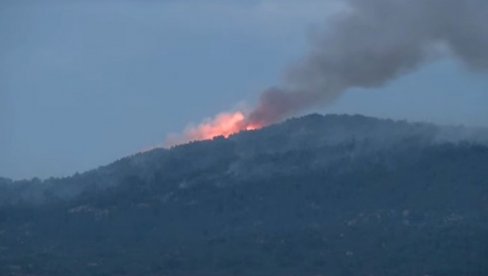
83, 83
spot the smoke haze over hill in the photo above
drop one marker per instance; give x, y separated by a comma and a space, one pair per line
373, 42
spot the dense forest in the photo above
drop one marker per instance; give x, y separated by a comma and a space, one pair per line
316, 195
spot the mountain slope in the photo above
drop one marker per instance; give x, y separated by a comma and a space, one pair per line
318, 195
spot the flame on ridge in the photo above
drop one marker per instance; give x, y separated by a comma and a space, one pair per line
224, 124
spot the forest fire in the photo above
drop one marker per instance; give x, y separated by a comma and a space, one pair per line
224, 124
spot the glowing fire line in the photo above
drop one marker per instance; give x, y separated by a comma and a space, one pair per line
224, 124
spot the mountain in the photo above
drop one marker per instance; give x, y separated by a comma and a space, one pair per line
317, 195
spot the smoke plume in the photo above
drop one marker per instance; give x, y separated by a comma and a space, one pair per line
368, 44
372, 42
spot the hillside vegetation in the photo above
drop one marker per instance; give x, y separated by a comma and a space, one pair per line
317, 195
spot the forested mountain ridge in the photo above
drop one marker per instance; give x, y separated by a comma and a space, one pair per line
317, 195
308, 133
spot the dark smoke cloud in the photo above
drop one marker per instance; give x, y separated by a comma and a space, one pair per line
375, 41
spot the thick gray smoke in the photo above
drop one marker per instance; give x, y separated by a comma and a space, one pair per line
375, 41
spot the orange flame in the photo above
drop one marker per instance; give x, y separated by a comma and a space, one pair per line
224, 124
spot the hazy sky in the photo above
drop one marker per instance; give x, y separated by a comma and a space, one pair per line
83, 83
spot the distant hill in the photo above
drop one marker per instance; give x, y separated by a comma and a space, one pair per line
317, 195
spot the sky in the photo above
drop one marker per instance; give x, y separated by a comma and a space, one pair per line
84, 83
